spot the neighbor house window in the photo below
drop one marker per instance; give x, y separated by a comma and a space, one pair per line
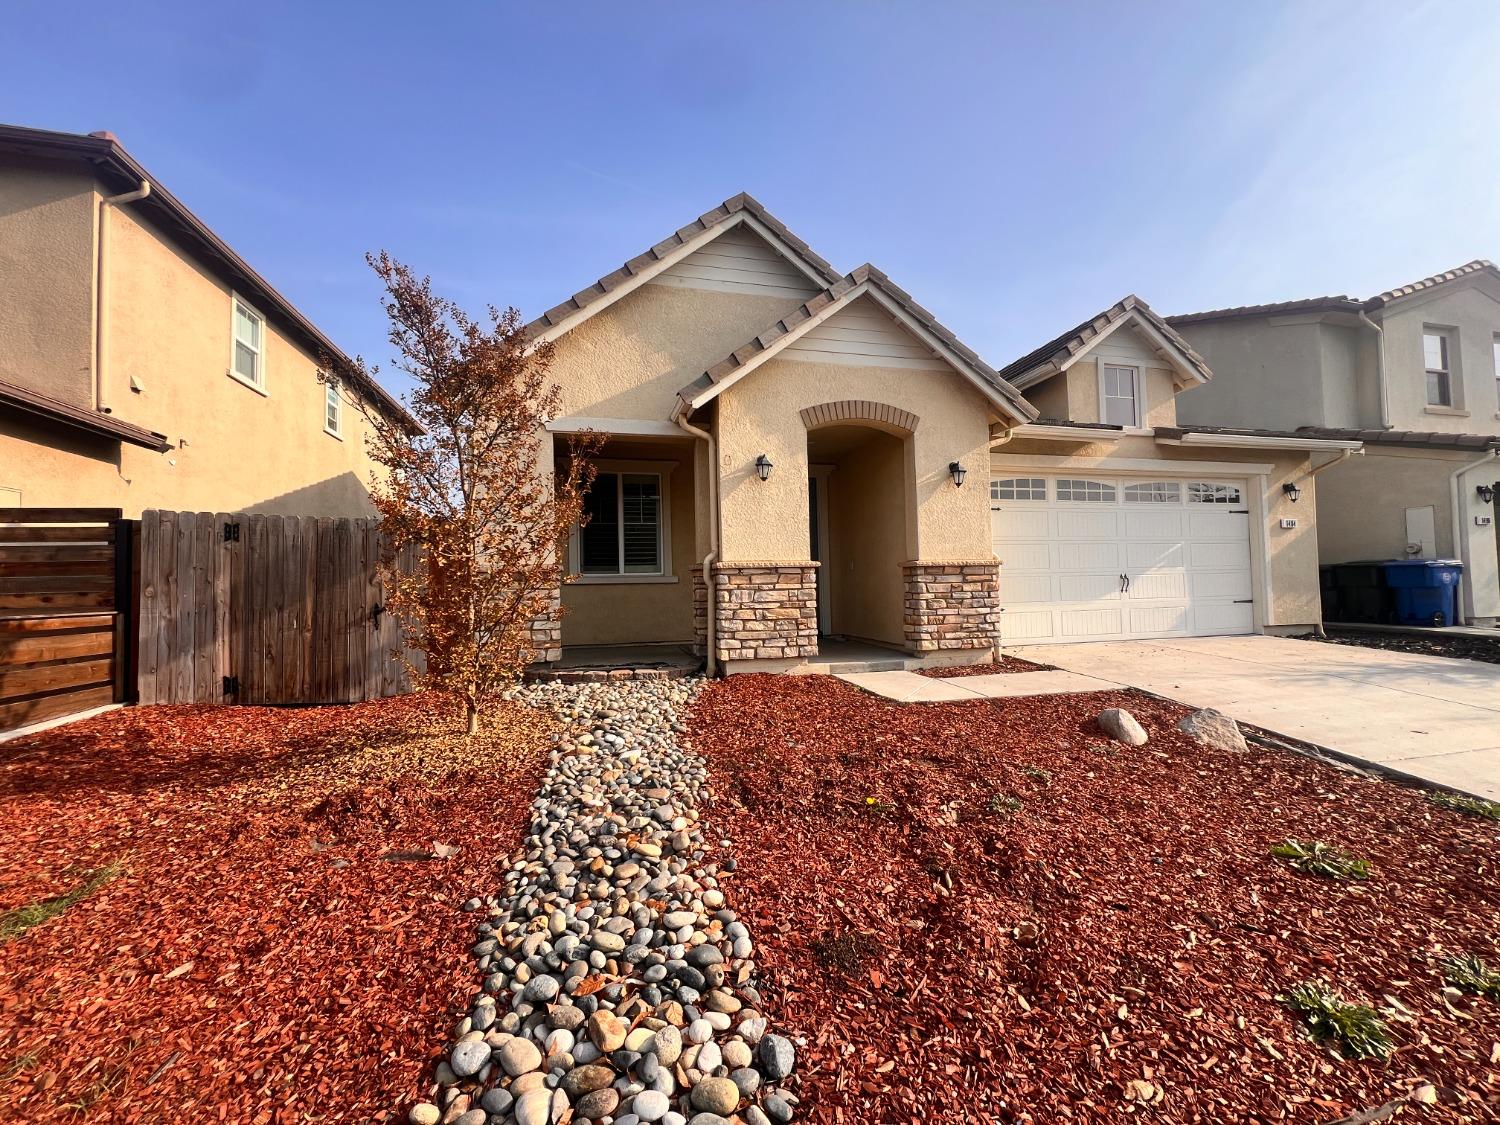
333, 411
1496, 346
1439, 375
624, 530
1019, 488
1120, 395
249, 362
1089, 491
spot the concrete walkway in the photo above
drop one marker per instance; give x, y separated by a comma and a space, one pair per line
1431, 716
908, 687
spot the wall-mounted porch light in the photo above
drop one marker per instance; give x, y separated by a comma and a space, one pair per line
1292, 492
1486, 493
957, 472
763, 466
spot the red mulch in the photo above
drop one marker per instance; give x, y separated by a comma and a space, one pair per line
1000, 667
1164, 929
255, 960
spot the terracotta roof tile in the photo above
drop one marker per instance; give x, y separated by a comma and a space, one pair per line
1047, 359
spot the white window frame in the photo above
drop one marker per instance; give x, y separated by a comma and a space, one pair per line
1029, 483
258, 385
331, 397
663, 471
1495, 352
1447, 338
1091, 490
1138, 387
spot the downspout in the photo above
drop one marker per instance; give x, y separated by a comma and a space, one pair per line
101, 302
713, 535
1461, 540
1343, 456
1385, 402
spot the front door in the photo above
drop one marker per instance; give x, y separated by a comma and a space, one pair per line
817, 541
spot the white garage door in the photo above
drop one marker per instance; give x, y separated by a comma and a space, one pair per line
1095, 558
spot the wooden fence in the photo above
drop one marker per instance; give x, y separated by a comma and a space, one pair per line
65, 602
236, 608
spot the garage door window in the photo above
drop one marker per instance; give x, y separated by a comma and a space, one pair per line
1154, 492
1019, 488
1088, 491
1206, 492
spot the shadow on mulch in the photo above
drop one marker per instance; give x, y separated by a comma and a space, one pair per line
1461, 646
988, 911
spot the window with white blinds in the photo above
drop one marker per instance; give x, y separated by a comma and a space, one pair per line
623, 534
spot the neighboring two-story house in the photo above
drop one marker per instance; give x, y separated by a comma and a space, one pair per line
144, 364
798, 459
1414, 374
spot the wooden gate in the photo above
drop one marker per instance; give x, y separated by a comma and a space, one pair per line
65, 600
237, 608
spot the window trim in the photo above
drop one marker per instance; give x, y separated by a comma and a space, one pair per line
1446, 336
1172, 494
1031, 481
1495, 356
1109, 490
1138, 386
660, 469
235, 300
331, 394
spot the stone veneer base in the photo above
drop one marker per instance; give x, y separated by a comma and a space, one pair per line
952, 605
765, 610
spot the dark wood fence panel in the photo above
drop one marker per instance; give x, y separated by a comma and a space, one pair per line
64, 612
238, 608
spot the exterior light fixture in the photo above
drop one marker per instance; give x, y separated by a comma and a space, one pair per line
1293, 493
1486, 493
763, 466
957, 472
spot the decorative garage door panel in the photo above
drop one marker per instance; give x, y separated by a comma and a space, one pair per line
1096, 558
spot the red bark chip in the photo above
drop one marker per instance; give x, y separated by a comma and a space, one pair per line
265, 953
989, 912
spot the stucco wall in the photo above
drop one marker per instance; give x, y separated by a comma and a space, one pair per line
634, 612
630, 360
1472, 310
767, 521
1292, 554
867, 537
1265, 376
236, 449
1082, 379
47, 279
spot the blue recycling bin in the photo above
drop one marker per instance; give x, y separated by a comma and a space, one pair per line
1426, 590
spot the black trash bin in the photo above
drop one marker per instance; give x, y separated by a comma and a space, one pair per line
1362, 593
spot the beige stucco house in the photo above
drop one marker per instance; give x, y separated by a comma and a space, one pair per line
799, 460
144, 364
1414, 374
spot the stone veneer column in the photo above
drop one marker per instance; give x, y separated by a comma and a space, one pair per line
700, 612
952, 605
766, 610
546, 631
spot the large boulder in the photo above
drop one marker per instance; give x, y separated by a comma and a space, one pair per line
1122, 726
1213, 728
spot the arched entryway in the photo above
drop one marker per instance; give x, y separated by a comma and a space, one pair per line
860, 518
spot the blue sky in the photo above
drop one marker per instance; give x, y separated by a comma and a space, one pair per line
1016, 167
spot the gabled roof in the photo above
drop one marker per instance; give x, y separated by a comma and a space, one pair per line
117, 167
732, 212
818, 308
1059, 353
80, 418
1478, 265
1342, 303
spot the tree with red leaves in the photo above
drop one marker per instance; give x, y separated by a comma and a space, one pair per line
475, 492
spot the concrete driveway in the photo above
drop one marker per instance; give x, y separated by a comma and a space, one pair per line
1430, 716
